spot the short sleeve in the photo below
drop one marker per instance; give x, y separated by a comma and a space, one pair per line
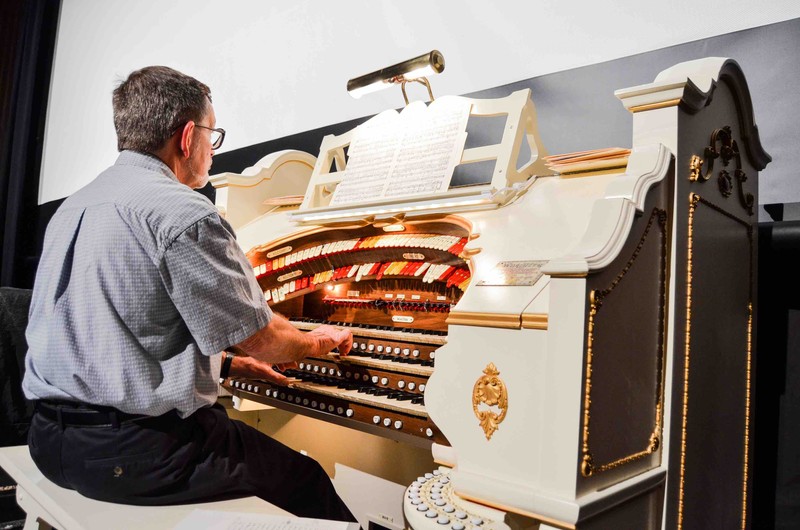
212, 285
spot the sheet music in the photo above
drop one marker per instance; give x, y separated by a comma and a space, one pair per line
405, 154
371, 156
219, 520
432, 145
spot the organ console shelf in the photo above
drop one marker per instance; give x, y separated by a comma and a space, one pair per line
589, 366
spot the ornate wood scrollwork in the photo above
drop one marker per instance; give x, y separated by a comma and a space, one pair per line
490, 400
728, 150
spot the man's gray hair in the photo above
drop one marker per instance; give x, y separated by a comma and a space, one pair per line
153, 103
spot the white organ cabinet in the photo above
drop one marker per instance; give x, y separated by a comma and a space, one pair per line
576, 348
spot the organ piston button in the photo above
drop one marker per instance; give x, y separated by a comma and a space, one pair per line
415, 353
324, 370
476, 521
412, 385
375, 379
398, 424
376, 419
422, 387
401, 384
433, 355
371, 347
380, 349
457, 526
397, 351
387, 422
316, 368
443, 519
349, 413
363, 346
302, 366
384, 380
428, 432
405, 351
431, 514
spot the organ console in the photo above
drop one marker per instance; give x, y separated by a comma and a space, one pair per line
573, 342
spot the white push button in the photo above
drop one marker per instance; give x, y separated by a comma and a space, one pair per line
376, 419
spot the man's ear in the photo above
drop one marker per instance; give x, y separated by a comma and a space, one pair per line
187, 134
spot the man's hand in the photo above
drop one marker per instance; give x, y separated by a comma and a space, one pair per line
250, 368
279, 342
328, 337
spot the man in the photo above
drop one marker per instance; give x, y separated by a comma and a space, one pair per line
140, 285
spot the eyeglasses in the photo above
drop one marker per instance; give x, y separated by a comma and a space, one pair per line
217, 136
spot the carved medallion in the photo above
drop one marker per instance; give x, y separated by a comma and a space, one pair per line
722, 146
490, 400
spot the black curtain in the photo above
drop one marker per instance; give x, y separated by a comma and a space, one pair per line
27, 43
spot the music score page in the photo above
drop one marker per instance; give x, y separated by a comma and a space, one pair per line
402, 155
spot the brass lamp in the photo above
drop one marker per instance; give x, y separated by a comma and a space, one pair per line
412, 70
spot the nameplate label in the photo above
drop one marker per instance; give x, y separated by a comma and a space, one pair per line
513, 273
279, 252
290, 275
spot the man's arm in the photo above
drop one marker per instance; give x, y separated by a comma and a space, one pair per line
280, 342
251, 368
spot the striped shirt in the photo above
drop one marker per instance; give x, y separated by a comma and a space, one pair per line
140, 285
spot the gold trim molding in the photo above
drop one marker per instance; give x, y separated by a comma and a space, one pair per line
534, 321
491, 320
588, 466
694, 201
653, 106
490, 391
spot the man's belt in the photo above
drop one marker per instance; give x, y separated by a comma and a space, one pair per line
68, 414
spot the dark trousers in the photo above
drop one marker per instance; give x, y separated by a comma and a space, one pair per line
169, 460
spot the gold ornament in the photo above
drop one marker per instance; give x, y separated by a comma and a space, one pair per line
490, 400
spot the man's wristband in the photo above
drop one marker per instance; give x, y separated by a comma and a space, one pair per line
227, 359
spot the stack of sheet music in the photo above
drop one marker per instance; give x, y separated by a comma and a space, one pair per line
584, 163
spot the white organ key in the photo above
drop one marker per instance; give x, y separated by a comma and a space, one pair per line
363, 398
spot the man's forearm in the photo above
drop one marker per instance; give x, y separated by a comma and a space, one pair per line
279, 342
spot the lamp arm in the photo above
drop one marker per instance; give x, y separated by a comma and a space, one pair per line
420, 80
